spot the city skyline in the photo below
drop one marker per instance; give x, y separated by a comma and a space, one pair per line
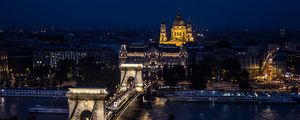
213, 14
149, 60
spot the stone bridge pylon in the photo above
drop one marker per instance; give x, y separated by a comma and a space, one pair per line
131, 72
87, 103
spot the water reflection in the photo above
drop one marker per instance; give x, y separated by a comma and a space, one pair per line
2, 107
161, 110
145, 116
17, 106
160, 101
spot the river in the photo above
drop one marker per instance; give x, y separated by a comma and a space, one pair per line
162, 110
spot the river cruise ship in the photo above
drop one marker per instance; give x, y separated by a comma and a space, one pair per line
32, 92
232, 96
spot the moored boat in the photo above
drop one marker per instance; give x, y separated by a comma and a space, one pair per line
231, 96
33, 92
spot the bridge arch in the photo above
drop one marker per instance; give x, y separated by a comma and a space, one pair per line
85, 115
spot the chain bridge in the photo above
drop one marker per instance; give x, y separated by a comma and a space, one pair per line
90, 104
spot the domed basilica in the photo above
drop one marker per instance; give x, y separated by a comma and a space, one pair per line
181, 33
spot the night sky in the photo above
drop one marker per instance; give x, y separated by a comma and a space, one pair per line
148, 13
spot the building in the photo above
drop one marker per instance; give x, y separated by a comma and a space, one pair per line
181, 33
153, 57
4, 72
293, 63
249, 57
286, 62
248, 54
51, 56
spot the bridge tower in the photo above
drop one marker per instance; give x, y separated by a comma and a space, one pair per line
86, 103
131, 71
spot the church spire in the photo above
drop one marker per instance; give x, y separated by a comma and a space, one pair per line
178, 19
189, 31
163, 31
178, 15
189, 21
163, 20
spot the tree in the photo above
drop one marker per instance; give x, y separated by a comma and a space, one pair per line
41, 72
60, 76
180, 72
230, 69
210, 66
39, 75
198, 77
90, 72
244, 75
200, 73
244, 80
174, 74
68, 67
93, 74
244, 85
171, 117
159, 75
169, 76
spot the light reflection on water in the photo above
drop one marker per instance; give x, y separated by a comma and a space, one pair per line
161, 110
2, 106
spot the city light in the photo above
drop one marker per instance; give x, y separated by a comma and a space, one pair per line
122, 60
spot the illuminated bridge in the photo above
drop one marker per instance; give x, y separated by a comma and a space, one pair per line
90, 104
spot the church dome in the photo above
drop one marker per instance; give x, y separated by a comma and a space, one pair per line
179, 20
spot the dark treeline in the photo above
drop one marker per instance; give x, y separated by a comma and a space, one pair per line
208, 69
86, 73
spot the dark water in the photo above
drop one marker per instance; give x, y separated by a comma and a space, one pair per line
161, 110
17, 106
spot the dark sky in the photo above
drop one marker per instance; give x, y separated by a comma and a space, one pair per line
148, 13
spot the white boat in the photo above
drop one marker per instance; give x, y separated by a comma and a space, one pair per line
31, 92
48, 110
231, 96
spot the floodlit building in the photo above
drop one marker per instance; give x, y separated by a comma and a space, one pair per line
181, 32
153, 56
51, 57
3, 66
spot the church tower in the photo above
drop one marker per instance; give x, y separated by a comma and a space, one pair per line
189, 34
163, 32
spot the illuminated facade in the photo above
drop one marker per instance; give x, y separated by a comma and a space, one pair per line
51, 57
153, 58
181, 33
3, 66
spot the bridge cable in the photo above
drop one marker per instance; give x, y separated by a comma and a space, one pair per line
123, 79
74, 109
95, 105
